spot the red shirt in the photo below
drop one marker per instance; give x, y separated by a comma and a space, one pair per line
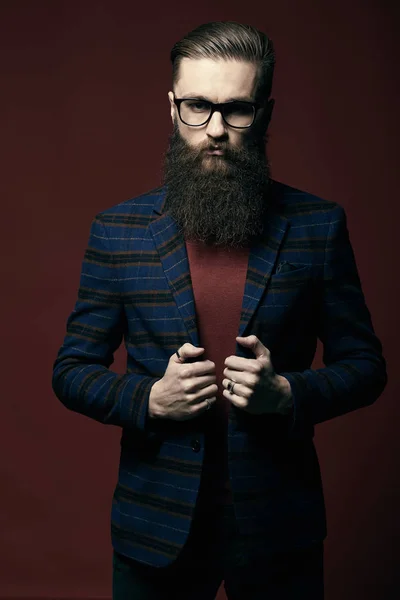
218, 278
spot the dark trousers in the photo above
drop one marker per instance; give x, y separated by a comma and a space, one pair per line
215, 552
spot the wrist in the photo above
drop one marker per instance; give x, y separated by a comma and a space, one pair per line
285, 405
154, 409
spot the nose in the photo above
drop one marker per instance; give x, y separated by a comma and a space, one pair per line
216, 126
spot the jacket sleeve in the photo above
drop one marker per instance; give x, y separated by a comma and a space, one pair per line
355, 370
82, 380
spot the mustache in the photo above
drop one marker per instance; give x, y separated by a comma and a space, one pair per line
195, 154
210, 147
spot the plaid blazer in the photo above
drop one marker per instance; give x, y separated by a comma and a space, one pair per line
302, 284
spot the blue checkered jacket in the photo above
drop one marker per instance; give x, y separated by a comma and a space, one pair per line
302, 284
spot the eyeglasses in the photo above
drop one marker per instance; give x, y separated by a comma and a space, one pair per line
196, 112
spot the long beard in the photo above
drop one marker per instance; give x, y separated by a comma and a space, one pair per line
218, 200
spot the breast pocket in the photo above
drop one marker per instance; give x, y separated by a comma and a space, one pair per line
286, 287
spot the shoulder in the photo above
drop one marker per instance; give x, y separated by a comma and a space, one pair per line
304, 207
133, 209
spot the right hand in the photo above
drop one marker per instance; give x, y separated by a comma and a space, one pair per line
180, 394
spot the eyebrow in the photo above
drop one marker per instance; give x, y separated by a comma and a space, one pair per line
200, 97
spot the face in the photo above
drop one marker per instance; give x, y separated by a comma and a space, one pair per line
218, 197
217, 81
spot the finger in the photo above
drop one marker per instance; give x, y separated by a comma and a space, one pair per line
253, 343
203, 367
185, 352
240, 389
243, 377
197, 369
195, 384
238, 401
205, 404
199, 397
238, 363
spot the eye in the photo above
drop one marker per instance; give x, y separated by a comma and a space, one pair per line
239, 109
197, 105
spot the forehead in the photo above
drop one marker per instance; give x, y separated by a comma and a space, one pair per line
217, 80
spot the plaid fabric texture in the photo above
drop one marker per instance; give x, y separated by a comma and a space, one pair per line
302, 284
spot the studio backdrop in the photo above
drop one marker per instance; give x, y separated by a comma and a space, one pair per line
84, 125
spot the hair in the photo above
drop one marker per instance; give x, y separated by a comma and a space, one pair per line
229, 40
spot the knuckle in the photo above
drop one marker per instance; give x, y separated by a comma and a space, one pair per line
186, 372
186, 385
158, 411
254, 380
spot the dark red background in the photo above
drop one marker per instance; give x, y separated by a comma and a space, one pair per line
85, 121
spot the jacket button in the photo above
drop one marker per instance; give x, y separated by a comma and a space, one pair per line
196, 446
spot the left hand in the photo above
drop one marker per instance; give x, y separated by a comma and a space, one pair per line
258, 389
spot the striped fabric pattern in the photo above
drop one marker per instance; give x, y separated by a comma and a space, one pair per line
302, 284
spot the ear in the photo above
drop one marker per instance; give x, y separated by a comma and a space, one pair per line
172, 105
269, 107
265, 117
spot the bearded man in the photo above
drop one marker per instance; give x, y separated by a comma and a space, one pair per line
220, 282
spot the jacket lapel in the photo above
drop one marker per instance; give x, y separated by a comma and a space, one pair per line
262, 259
174, 259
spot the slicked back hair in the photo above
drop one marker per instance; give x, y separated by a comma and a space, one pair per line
229, 40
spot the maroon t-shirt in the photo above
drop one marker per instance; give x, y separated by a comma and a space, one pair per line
218, 278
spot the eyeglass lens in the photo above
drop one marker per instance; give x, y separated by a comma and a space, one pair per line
237, 114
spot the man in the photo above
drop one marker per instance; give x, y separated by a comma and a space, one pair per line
220, 283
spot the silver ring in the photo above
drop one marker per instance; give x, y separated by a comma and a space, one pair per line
208, 404
230, 386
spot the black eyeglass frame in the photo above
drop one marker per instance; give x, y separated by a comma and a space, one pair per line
219, 107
